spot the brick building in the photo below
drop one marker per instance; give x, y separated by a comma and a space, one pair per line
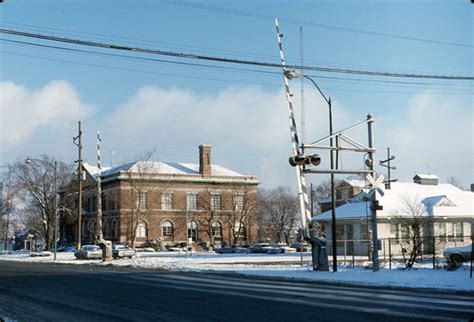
156, 202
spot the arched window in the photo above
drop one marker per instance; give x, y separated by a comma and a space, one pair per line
142, 230
216, 230
167, 229
193, 230
107, 228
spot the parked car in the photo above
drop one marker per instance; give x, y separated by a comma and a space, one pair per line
232, 250
457, 255
89, 252
275, 249
121, 251
301, 247
258, 248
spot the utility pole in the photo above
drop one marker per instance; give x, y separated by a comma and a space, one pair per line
79, 186
55, 208
382, 163
374, 203
333, 194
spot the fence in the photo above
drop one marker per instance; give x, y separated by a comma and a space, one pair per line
397, 250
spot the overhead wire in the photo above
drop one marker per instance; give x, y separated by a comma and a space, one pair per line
223, 59
312, 24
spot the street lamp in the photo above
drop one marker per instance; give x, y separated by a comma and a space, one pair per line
295, 74
55, 211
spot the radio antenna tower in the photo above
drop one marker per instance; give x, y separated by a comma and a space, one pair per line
303, 121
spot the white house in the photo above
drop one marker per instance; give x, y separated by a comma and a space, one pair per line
447, 212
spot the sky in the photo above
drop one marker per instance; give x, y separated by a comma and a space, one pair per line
147, 103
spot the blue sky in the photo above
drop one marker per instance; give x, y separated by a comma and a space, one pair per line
142, 106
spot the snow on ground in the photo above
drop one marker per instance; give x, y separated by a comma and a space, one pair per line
281, 265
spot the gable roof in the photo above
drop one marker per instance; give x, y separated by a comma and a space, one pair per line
443, 200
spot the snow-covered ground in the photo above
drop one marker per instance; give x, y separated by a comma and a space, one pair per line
284, 265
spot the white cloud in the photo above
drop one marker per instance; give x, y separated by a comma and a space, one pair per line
24, 111
435, 135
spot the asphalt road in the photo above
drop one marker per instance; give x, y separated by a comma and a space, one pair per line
48, 292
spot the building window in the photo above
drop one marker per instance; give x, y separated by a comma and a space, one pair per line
364, 231
215, 202
106, 228
350, 232
239, 203
167, 201
141, 230
339, 232
405, 232
455, 231
140, 200
191, 201
167, 229
239, 229
116, 201
216, 230
193, 230
115, 229
442, 231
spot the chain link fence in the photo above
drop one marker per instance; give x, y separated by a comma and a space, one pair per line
396, 251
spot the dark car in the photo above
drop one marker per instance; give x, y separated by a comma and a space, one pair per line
258, 248
232, 250
121, 251
301, 247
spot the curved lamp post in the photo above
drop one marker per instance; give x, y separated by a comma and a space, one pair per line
294, 74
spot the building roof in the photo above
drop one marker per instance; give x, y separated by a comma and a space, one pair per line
165, 168
442, 200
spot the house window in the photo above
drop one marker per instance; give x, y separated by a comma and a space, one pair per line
116, 201
364, 231
167, 228
141, 230
405, 232
442, 231
215, 202
339, 232
239, 203
191, 201
193, 230
167, 201
216, 230
106, 228
350, 232
456, 231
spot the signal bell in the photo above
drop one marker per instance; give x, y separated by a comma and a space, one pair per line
299, 159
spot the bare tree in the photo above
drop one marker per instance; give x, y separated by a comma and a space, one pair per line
455, 182
33, 185
143, 195
279, 208
415, 226
321, 192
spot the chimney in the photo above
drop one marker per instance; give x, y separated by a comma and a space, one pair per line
205, 160
472, 187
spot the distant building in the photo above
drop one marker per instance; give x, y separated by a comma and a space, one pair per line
29, 239
345, 190
148, 202
448, 211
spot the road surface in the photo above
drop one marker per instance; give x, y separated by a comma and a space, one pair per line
48, 292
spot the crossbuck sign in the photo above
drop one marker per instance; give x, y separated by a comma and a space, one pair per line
375, 185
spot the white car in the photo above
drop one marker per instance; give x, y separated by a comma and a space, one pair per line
89, 252
459, 254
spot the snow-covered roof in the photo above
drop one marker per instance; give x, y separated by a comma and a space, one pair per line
426, 176
443, 200
152, 167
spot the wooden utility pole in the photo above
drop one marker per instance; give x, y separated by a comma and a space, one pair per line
79, 186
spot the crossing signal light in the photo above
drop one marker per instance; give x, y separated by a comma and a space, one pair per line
299, 159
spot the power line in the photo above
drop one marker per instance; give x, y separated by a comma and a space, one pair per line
312, 24
223, 59
146, 59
